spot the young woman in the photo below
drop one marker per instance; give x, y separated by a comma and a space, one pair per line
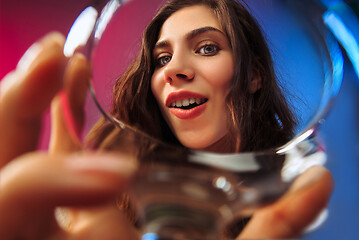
221, 60
203, 80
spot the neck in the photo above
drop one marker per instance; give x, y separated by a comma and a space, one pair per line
223, 145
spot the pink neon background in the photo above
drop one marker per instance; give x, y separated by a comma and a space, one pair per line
23, 22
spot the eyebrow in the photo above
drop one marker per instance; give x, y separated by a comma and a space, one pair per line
192, 34
199, 31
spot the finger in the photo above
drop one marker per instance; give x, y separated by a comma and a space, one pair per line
34, 184
26, 93
101, 222
295, 211
67, 109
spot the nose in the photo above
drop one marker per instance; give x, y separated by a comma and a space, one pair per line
179, 68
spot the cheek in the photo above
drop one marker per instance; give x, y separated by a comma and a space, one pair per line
158, 91
156, 87
220, 74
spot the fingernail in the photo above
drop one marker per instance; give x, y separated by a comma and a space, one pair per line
103, 162
32, 54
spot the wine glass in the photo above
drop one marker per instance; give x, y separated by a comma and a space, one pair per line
186, 194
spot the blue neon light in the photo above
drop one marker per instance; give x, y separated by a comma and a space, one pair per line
344, 36
330, 3
149, 236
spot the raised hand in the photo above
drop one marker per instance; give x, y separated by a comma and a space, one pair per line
33, 184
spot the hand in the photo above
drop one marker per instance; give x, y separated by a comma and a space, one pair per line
32, 184
291, 214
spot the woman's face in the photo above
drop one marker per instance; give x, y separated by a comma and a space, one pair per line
193, 74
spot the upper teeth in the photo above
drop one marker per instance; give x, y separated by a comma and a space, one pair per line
186, 102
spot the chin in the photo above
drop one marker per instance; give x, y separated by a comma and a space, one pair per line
216, 145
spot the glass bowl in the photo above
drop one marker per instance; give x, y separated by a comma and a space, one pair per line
180, 193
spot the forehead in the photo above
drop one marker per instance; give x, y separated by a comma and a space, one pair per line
189, 18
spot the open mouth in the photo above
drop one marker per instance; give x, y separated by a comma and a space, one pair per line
188, 103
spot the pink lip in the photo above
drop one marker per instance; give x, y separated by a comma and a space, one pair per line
185, 113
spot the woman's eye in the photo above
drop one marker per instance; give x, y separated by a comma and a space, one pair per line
163, 60
208, 50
